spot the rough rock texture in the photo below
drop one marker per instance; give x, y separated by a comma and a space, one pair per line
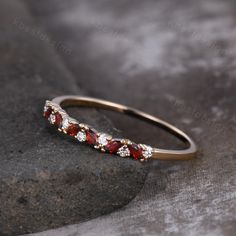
46, 179
176, 59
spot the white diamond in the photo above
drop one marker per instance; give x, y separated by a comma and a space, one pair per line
103, 139
124, 151
52, 118
147, 150
65, 123
81, 136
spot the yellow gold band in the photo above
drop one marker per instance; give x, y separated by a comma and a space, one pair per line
161, 154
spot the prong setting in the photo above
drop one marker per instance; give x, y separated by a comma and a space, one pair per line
124, 151
146, 151
101, 141
81, 136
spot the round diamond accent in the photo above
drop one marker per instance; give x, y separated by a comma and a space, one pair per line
103, 139
124, 151
65, 123
81, 136
52, 118
147, 151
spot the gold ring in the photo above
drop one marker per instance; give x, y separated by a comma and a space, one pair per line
57, 116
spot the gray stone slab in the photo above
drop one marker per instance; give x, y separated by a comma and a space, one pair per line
175, 59
47, 180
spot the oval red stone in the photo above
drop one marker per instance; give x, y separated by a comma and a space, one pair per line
73, 129
113, 146
91, 137
58, 119
135, 151
47, 113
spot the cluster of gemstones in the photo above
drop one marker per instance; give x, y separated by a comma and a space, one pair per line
101, 141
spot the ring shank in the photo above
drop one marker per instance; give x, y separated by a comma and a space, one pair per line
161, 154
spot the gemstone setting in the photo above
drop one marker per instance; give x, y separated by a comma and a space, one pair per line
113, 146
58, 119
81, 136
102, 141
91, 136
124, 151
136, 151
73, 129
52, 119
47, 112
146, 151
65, 123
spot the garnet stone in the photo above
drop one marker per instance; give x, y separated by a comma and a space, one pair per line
73, 129
113, 146
47, 112
91, 137
135, 151
58, 119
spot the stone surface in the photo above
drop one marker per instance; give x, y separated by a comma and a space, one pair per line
181, 57
46, 179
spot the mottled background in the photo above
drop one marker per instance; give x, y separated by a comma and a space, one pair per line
174, 59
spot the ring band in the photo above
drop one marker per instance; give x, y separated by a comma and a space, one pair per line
57, 116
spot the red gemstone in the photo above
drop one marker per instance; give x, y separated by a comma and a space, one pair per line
113, 146
58, 119
47, 113
91, 137
135, 151
73, 129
